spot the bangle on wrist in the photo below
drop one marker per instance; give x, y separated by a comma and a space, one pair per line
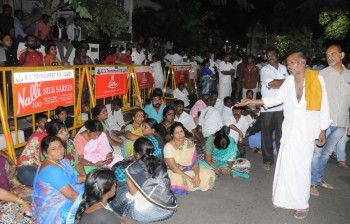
19, 201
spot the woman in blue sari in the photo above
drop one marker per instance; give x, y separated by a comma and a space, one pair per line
206, 79
53, 198
220, 153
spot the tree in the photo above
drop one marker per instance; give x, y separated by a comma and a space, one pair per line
102, 14
335, 22
300, 40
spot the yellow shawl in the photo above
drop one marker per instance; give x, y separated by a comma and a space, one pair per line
313, 90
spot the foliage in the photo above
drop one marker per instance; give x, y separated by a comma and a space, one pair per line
335, 22
184, 22
100, 15
300, 40
110, 18
81, 10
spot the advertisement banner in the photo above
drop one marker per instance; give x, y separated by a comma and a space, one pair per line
182, 73
40, 91
111, 81
144, 77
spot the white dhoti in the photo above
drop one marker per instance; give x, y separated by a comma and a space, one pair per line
225, 89
291, 183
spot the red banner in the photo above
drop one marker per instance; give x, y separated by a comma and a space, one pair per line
111, 81
41, 91
144, 77
182, 74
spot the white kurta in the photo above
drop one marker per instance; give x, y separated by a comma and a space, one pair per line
300, 128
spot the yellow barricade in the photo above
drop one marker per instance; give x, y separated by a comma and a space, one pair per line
179, 73
80, 86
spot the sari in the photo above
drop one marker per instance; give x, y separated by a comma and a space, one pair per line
221, 157
154, 201
11, 213
4, 181
96, 150
158, 146
49, 204
206, 84
186, 158
128, 146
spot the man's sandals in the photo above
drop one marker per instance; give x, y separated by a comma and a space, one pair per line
300, 214
342, 164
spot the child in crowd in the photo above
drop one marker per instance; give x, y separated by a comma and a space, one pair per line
181, 93
60, 113
51, 59
40, 121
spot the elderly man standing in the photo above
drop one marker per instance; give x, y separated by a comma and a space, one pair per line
337, 79
306, 118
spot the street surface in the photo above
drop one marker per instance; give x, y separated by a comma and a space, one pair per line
240, 201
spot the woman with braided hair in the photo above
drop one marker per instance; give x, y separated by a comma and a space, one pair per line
149, 197
100, 185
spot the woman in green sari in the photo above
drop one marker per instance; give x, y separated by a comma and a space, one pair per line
220, 153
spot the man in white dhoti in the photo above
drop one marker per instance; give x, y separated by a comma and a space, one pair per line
226, 70
306, 118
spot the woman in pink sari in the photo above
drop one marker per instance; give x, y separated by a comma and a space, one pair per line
93, 148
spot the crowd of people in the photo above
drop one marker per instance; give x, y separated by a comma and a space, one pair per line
111, 168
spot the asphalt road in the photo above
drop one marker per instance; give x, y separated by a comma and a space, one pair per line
240, 201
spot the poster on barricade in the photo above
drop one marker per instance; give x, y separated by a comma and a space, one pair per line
42, 91
144, 77
111, 81
182, 73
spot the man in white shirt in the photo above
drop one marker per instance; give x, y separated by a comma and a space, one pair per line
226, 70
139, 56
74, 32
181, 93
226, 109
186, 120
210, 119
272, 77
115, 118
238, 124
157, 72
218, 103
176, 59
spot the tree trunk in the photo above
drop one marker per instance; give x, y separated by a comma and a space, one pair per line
47, 9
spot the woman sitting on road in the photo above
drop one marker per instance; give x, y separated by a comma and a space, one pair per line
93, 148
29, 159
132, 132
168, 120
58, 129
8, 180
149, 197
149, 130
99, 112
181, 158
220, 153
100, 185
53, 198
